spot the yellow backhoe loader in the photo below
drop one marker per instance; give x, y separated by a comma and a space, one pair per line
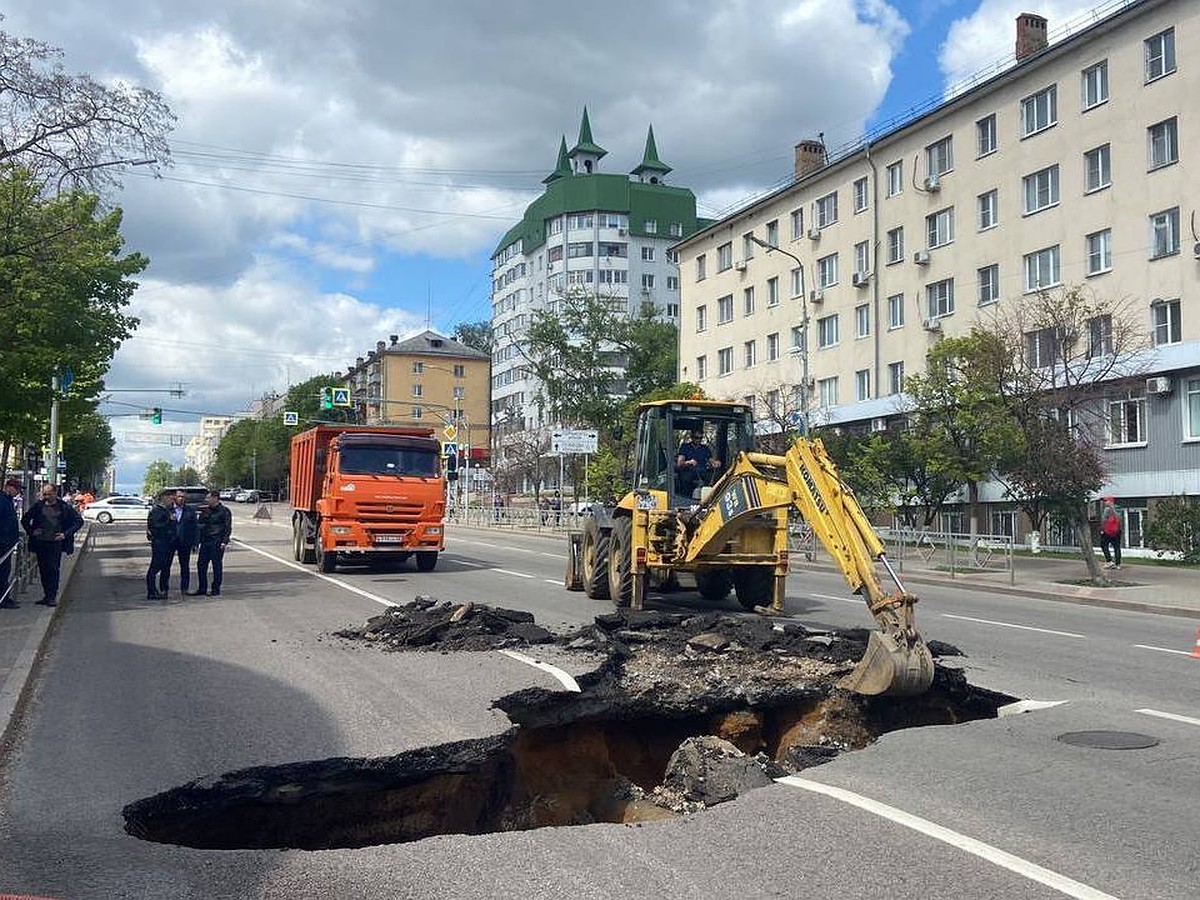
705, 503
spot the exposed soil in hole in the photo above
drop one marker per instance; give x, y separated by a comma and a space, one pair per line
686, 711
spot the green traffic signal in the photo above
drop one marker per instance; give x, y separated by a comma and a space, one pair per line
326, 398
156, 416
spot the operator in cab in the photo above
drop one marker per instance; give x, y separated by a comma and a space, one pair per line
695, 464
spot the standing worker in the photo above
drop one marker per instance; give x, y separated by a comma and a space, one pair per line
51, 526
1110, 534
160, 532
10, 531
215, 528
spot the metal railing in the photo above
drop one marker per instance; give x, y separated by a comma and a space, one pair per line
24, 564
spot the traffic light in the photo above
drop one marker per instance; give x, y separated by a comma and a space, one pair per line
326, 398
156, 416
452, 466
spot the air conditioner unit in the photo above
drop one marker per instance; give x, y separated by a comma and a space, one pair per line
933, 324
933, 183
1158, 386
621, 232
879, 424
921, 257
816, 296
814, 234
740, 265
860, 279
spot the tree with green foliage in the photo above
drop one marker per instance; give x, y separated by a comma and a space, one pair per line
1174, 528
475, 334
158, 475
87, 448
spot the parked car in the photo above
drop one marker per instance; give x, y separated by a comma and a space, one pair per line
229, 493
117, 509
249, 495
195, 496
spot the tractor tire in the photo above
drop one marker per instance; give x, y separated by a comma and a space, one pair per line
326, 562
594, 560
620, 562
754, 585
713, 585
426, 560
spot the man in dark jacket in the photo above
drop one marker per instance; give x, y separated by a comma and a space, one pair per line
160, 532
51, 526
10, 531
216, 527
181, 548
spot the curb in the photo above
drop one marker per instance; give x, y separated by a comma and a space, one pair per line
15, 687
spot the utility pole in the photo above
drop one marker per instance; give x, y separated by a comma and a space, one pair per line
803, 348
55, 383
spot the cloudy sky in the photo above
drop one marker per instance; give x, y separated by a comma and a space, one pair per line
342, 171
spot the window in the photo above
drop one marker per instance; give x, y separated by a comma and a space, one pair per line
1042, 348
672, 282
939, 298
1098, 249
985, 134
772, 292
826, 211
798, 341
417, 390
797, 219
1192, 409
748, 302
647, 282
895, 305
1164, 143
861, 201
989, 210
750, 353
1100, 336
1041, 189
650, 226
676, 229
460, 370
1127, 421
648, 254
724, 361
1164, 233
1097, 169
827, 270
773, 346
460, 393
1160, 54
989, 284
862, 321
827, 392
773, 402
895, 245
701, 368
862, 385
1039, 111
773, 232
939, 156
701, 318
939, 228
895, 377
1095, 84
1041, 268
797, 282
417, 412
895, 178
827, 331
748, 245
1167, 326
418, 368
862, 257
579, 221
725, 309
580, 250
672, 310
700, 267
725, 257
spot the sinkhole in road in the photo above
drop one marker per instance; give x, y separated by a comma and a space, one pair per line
605, 756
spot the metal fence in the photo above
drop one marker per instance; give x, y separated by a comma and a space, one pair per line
24, 564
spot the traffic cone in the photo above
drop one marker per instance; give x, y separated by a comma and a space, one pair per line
1196, 649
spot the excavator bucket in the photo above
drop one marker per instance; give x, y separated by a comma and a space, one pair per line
891, 666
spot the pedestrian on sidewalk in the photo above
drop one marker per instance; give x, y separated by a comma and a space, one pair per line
51, 526
181, 546
1110, 534
10, 531
215, 529
160, 532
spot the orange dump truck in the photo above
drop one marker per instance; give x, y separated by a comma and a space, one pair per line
367, 494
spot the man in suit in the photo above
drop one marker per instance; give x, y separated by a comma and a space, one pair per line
181, 547
216, 527
51, 526
10, 530
160, 532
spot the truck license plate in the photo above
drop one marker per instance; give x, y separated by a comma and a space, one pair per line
387, 538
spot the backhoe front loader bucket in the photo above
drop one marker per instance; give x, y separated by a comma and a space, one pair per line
893, 666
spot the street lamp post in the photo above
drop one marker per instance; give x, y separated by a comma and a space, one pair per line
803, 348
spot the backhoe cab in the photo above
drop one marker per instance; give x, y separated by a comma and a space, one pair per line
706, 504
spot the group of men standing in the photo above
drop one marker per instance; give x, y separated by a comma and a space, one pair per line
174, 529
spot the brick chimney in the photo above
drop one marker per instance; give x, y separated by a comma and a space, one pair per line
1031, 34
810, 156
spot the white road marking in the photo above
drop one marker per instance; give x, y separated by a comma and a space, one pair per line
564, 678
1187, 720
552, 580
467, 562
994, 855
299, 568
1011, 625
1024, 706
1162, 649
511, 572
854, 600
551, 555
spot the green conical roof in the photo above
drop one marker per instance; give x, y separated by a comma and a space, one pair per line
563, 168
650, 161
585, 144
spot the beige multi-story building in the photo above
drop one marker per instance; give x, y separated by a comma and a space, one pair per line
201, 450
1069, 167
427, 380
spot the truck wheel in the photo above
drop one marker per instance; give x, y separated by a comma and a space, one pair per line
297, 542
755, 585
326, 562
426, 560
620, 562
308, 554
713, 585
594, 560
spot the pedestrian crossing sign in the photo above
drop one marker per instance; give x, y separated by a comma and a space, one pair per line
341, 396
291, 418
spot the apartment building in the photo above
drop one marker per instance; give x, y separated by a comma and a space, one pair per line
606, 235
201, 449
427, 380
1069, 167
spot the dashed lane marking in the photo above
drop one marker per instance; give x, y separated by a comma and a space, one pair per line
511, 572
1162, 649
564, 678
1024, 706
552, 580
994, 855
1187, 720
1070, 634
299, 568
853, 600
